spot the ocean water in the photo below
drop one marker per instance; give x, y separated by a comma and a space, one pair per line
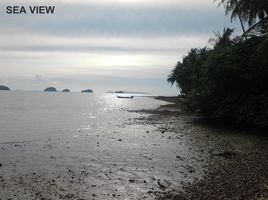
85, 144
28, 116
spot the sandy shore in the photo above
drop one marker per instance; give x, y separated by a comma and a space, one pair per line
155, 154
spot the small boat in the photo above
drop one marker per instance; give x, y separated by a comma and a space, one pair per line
125, 97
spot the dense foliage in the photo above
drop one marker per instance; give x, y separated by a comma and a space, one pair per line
230, 81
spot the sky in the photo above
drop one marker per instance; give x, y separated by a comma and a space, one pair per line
105, 45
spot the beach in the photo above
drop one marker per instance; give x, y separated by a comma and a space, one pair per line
139, 153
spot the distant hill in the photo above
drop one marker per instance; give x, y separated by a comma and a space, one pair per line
66, 90
128, 92
87, 91
50, 89
119, 92
2, 87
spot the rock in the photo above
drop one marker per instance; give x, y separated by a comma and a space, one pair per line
87, 91
148, 158
163, 183
131, 180
50, 89
65, 90
1, 164
191, 170
2, 87
120, 140
225, 154
68, 196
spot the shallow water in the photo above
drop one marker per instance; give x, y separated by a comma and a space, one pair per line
27, 116
88, 146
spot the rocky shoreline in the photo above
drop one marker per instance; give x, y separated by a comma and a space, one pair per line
237, 177
233, 172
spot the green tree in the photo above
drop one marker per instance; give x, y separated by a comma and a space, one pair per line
223, 39
230, 81
232, 7
246, 10
186, 73
173, 76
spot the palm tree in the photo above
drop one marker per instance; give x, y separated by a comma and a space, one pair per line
186, 73
246, 10
173, 76
232, 6
253, 10
258, 29
222, 39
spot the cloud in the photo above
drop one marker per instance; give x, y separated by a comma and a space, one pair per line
39, 79
151, 57
117, 20
182, 3
38, 42
103, 40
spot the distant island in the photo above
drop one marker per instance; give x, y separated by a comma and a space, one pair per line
87, 91
65, 90
119, 92
128, 92
50, 89
2, 87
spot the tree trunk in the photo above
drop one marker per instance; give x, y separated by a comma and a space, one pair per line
242, 25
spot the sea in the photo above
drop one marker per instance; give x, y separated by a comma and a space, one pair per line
85, 145
28, 116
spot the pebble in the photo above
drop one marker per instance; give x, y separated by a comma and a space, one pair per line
69, 196
163, 183
131, 180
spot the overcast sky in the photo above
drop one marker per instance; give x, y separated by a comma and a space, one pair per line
104, 45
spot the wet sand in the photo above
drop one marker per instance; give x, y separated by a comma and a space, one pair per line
158, 154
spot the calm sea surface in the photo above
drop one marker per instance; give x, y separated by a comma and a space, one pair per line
27, 116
